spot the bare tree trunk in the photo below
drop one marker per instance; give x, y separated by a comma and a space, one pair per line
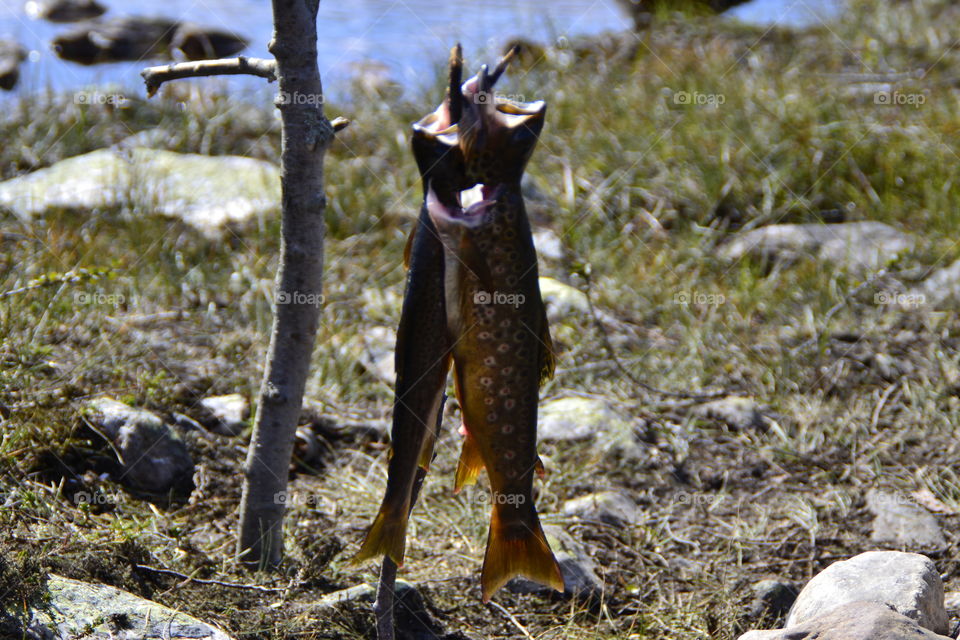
306, 135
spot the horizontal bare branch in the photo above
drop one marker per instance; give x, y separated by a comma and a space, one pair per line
156, 76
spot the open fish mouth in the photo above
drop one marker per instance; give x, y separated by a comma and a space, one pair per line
474, 119
470, 209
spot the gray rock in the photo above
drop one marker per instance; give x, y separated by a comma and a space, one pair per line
11, 55
908, 582
548, 244
576, 418
91, 611
851, 621
611, 507
578, 569
153, 457
901, 522
226, 415
939, 289
363, 593
737, 413
856, 245
562, 300
772, 598
206, 192
951, 601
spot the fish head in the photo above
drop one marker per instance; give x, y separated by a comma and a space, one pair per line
496, 135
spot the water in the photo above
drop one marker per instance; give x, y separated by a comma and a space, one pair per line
408, 39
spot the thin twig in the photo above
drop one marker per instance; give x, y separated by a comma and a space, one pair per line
613, 356
156, 76
232, 585
512, 619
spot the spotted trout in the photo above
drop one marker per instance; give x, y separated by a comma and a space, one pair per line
497, 324
422, 355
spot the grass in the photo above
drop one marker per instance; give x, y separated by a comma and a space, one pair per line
642, 187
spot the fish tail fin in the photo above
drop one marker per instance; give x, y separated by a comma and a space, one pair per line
387, 536
517, 550
470, 464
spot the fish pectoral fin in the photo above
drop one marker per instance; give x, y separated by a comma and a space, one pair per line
548, 359
470, 464
539, 468
408, 248
523, 552
387, 536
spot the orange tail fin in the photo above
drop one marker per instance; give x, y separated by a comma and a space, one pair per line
470, 465
387, 536
518, 550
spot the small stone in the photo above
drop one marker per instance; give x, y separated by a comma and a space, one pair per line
610, 507
851, 621
866, 245
576, 418
64, 10
226, 415
548, 244
773, 598
154, 459
84, 610
951, 601
413, 620
901, 522
562, 299
737, 413
908, 582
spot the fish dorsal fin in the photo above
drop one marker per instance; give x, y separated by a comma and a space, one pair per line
548, 359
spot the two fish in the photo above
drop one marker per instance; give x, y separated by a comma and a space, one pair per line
473, 297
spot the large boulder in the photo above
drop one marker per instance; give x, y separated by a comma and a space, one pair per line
78, 609
851, 621
206, 192
856, 245
908, 582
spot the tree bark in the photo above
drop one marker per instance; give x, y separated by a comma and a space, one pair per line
306, 135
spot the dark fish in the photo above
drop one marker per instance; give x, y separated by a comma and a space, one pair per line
422, 357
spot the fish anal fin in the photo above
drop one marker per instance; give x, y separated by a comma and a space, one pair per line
387, 536
470, 464
513, 551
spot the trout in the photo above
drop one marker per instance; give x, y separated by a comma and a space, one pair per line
497, 323
422, 355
